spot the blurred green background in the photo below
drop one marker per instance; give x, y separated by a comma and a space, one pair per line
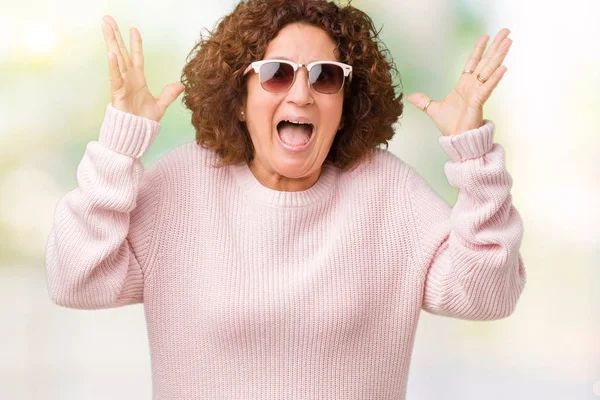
53, 95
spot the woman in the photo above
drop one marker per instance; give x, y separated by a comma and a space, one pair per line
283, 254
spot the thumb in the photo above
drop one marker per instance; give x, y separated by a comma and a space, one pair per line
420, 100
169, 94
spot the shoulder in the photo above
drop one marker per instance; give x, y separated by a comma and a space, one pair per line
384, 169
187, 169
189, 157
185, 153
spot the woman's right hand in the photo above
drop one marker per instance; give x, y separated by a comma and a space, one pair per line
129, 91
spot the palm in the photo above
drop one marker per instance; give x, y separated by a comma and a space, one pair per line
462, 109
135, 97
454, 112
129, 90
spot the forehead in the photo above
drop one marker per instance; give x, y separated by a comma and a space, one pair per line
302, 43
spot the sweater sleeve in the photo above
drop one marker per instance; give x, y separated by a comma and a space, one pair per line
469, 254
99, 244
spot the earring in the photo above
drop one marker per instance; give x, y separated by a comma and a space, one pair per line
242, 116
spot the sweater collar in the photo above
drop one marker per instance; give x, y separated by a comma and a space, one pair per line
262, 194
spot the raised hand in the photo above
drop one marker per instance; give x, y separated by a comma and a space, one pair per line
128, 87
462, 109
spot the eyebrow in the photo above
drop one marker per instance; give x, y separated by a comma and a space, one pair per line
289, 59
279, 58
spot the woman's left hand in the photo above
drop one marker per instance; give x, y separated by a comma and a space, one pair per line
462, 109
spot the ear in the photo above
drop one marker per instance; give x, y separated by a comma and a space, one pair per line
241, 114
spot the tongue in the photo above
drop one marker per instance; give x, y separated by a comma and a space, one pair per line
294, 135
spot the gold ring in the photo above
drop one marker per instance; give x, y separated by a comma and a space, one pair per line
467, 71
480, 79
427, 105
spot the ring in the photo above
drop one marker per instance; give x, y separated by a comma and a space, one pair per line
480, 79
427, 105
467, 71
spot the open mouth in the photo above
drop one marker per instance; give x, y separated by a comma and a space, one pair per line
295, 134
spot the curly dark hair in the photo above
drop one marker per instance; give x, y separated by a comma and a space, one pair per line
215, 85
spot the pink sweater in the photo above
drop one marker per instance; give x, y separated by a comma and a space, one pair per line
251, 293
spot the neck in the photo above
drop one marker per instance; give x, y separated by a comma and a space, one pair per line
275, 181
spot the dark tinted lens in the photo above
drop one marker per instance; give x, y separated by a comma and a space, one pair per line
327, 78
276, 76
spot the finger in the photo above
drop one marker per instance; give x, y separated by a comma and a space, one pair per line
111, 42
116, 81
137, 54
491, 51
169, 94
421, 100
120, 43
497, 60
476, 53
491, 83
121, 64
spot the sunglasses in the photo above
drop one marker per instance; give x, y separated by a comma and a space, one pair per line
277, 76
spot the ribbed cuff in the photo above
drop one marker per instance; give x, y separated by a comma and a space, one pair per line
469, 144
126, 133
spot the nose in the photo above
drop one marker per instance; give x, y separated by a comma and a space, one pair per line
300, 93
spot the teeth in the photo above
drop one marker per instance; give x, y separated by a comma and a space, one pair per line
297, 122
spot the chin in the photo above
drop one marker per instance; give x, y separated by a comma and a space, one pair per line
293, 169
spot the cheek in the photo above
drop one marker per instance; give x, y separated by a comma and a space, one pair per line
334, 108
259, 110
260, 126
336, 104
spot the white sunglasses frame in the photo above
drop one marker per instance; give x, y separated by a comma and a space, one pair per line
347, 69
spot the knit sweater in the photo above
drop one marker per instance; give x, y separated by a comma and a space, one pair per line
253, 293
